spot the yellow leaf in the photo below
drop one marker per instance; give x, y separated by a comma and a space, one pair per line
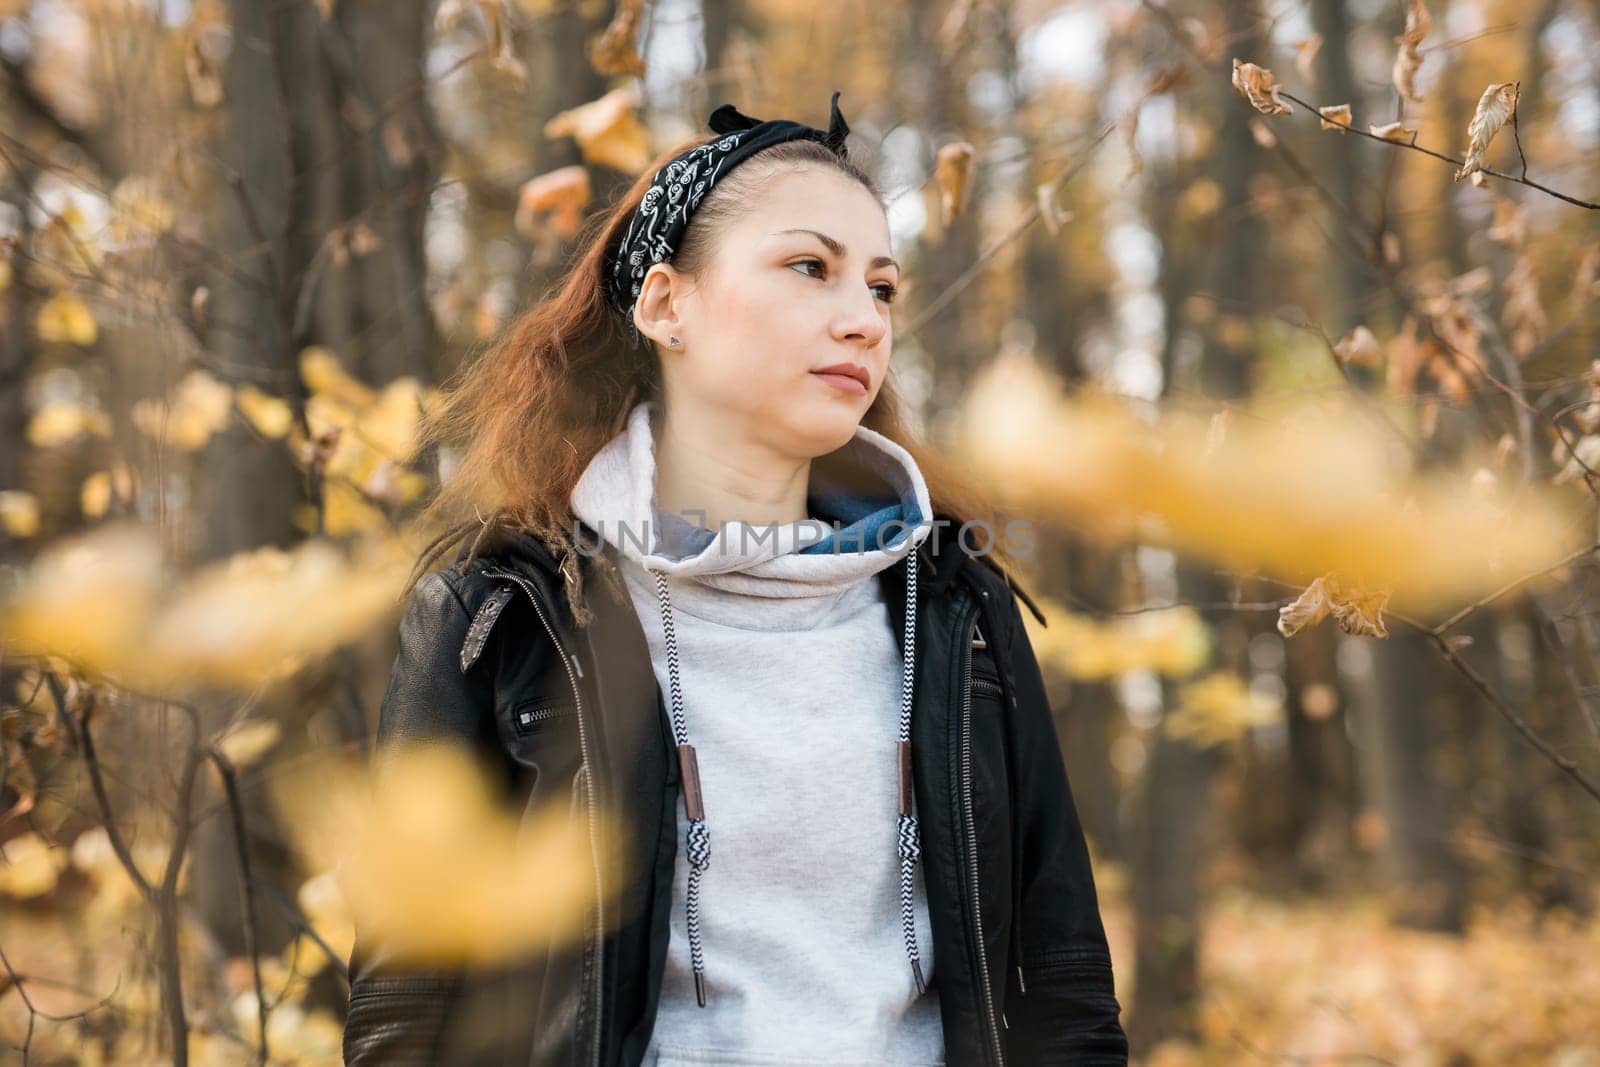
1301, 487
30, 866
1257, 85
435, 866
322, 372
607, 130
247, 741
65, 319
62, 422
87, 598
19, 513
94, 498
270, 415
1219, 708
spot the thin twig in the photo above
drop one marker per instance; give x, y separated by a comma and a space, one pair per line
1412, 144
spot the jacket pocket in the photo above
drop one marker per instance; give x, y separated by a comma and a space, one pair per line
540, 714
397, 1019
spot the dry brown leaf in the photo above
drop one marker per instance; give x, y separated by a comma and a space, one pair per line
501, 49
1583, 278
1257, 85
1336, 117
952, 171
558, 197
1052, 214
1130, 137
1496, 107
1359, 346
1305, 56
1261, 132
607, 130
204, 75
614, 51
1408, 59
1357, 611
1523, 313
1393, 131
1510, 226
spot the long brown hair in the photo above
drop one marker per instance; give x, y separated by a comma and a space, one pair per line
527, 416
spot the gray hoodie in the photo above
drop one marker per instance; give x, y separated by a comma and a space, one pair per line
785, 680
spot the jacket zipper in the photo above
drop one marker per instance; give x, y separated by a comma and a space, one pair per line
568, 663
972, 842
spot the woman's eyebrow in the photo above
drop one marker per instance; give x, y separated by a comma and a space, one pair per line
838, 249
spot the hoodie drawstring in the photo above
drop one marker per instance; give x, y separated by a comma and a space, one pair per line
908, 843
693, 802
909, 837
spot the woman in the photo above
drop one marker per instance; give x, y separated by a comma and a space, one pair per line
721, 588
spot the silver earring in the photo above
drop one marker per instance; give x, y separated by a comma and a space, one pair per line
673, 342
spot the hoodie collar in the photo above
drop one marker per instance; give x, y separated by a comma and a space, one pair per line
871, 486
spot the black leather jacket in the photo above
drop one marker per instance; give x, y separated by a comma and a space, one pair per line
489, 655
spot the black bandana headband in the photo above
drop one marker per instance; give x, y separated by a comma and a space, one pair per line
658, 224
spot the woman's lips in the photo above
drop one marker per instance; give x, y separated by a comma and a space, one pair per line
843, 382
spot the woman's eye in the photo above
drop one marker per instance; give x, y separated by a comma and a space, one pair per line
885, 290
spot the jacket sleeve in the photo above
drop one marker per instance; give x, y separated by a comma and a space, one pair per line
1069, 1013
397, 1015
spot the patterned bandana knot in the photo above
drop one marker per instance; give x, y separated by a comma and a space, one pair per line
655, 232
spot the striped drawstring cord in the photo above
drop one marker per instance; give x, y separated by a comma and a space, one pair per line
908, 838
693, 803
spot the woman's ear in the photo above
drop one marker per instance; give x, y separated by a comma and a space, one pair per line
655, 313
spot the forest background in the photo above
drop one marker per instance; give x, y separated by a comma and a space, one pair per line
1275, 320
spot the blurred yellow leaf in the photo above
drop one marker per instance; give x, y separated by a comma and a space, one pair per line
270, 415
200, 407
1218, 708
1172, 641
323, 905
1297, 489
87, 598
141, 209
94, 497
63, 421
19, 513
96, 601
30, 866
64, 319
323, 374
435, 865
246, 742
608, 131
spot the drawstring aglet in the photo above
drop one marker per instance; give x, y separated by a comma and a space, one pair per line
700, 988
916, 970
1022, 987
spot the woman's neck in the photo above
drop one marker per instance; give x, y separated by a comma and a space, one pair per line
707, 465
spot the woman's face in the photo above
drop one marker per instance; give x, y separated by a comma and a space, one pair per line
801, 281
